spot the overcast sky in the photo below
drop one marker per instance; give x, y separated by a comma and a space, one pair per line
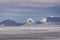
21, 10
30, 2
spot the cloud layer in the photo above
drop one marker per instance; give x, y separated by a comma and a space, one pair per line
32, 1
43, 3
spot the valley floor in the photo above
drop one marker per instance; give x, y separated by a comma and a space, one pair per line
30, 33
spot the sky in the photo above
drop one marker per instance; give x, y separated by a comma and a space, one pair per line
21, 10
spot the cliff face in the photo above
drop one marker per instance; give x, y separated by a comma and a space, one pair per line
53, 20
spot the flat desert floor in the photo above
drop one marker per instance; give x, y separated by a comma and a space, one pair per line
30, 33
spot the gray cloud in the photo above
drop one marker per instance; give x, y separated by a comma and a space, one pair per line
42, 3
